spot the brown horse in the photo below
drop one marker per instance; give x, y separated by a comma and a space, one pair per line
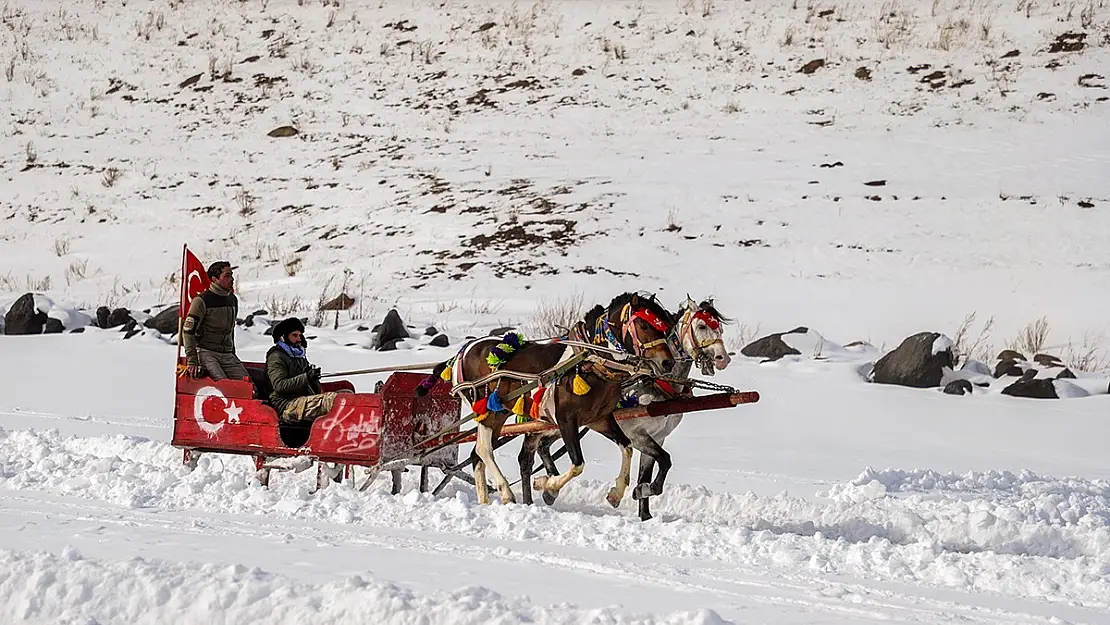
633, 323
585, 397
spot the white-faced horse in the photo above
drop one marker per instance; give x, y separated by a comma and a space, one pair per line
696, 339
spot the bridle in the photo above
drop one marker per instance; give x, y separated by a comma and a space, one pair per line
603, 331
684, 329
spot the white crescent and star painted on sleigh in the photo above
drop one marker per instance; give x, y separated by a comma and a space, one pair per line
231, 410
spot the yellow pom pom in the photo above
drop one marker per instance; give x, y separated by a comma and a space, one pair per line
518, 407
580, 386
446, 374
480, 417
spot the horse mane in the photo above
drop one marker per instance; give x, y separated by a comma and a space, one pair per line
643, 300
708, 307
592, 316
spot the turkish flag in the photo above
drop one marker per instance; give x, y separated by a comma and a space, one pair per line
194, 280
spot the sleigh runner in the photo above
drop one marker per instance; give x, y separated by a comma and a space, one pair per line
411, 419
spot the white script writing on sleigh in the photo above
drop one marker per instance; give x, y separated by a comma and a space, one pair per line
353, 429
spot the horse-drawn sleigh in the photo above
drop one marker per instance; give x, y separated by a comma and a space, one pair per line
622, 371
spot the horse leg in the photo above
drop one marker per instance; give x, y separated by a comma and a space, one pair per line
484, 447
568, 431
647, 446
480, 486
646, 466
525, 459
610, 430
544, 448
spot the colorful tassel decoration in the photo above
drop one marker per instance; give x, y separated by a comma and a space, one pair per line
518, 407
446, 374
501, 353
580, 386
537, 399
479, 407
493, 402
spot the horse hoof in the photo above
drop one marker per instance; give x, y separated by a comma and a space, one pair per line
614, 498
645, 517
642, 491
549, 497
539, 483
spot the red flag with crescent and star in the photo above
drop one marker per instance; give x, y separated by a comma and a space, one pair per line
194, 280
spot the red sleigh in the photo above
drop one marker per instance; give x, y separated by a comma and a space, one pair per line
375, 430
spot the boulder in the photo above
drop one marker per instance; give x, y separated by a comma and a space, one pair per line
340, 302
1048, 360
958, 387
53, 326
431, 331
772, 347
1010, 367
165, 321
118, 317
391, 330
388, 346
24, 318
919, 361
130, 329
102, 315
440, 341
1009, 354
1033, 388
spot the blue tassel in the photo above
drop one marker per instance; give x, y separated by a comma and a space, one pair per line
513, 339
493, 402
629, 402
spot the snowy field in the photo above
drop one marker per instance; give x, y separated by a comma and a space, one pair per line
866, 169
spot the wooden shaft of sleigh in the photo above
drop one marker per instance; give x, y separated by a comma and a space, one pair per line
674, 406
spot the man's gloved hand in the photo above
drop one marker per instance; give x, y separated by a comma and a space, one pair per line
192, 369
313, 373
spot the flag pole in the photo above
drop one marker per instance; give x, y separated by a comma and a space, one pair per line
180, 299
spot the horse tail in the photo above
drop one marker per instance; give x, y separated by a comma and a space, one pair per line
428, 383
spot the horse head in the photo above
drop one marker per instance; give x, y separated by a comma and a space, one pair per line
700, 330
637, 325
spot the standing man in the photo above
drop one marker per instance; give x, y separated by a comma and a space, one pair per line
208, 333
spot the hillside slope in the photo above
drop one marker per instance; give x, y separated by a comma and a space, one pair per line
867, 168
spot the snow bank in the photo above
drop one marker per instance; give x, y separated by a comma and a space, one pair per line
811, 344
73, 590
987, 535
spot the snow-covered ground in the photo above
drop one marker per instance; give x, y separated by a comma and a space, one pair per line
474, 164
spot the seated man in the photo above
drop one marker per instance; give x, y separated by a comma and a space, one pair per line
208, 333
296, 382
